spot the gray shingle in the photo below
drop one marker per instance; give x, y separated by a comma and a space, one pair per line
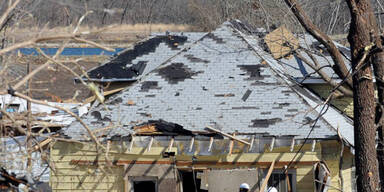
198, 94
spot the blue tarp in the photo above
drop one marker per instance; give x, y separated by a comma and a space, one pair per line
76, 51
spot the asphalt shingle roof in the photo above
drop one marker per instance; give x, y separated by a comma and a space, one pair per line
142, 57
219, 81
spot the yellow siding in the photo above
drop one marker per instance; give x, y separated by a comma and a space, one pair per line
304, 178
67, 177
332, 158
344, 104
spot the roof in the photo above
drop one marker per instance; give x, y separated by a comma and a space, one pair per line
13, 157
220, 82
142, 57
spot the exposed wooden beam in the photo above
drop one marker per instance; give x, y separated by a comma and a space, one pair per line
265, 182
272, 144
106, 93
191, 144
171, 144
231, 143
228, 135
279, 164
252, 141
210, 144
150, 144
313, 145
292, 144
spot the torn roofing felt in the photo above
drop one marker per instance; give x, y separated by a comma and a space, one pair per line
163, 127
142, 57
231, 91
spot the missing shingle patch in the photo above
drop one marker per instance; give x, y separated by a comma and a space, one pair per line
176, 72
194, 59
97, 115
254, 71
215, 38
122, 66
225, 95
147, 85
116, 101
246, 95
264, 122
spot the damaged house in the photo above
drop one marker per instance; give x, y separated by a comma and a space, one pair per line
141, 58
217, 113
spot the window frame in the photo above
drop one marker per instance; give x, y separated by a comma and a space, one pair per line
133, 179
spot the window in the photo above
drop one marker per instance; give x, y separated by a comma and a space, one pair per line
147, 184
191, 181
12, 108
278, 180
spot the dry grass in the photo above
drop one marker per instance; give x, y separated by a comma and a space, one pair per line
115, 35
125, 28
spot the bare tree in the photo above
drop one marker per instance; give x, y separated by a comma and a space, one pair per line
364, 39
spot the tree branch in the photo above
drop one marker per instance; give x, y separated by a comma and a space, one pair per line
339, 67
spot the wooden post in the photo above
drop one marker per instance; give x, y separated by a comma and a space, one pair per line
171, 144
287, 180
272, 144
265, 182
191, 144
313, 145
210, 144
150, 144
131, 144
252, 141
231, 145
292, 144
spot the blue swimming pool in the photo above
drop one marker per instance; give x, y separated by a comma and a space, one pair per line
75, 51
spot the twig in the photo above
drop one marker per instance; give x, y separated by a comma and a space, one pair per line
93, 137
9, 9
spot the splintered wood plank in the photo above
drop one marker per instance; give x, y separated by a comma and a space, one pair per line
281, 42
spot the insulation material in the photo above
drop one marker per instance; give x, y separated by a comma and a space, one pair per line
281, 42
322, 177
230, 180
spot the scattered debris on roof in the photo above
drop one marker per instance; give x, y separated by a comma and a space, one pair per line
281, 42
161, 127
233, 90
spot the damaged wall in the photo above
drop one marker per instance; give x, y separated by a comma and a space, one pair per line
164, 175
78, 168
230, 180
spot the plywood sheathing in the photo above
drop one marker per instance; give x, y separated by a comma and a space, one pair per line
281, 42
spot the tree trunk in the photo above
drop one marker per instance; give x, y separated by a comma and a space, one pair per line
378, 66
359, 37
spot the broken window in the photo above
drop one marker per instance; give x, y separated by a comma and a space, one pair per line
147, 184
191, 181
279, 180
322, 177
12, 108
